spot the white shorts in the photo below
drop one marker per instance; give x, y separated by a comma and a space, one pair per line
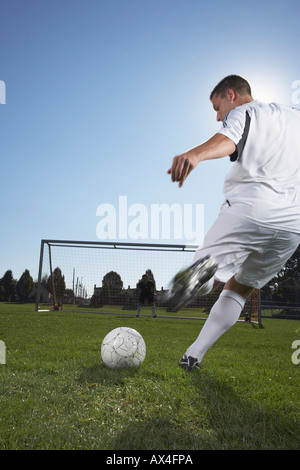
251, 253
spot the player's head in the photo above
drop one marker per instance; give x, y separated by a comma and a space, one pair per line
230, 92
233, 82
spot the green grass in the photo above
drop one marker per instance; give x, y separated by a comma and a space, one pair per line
56, 393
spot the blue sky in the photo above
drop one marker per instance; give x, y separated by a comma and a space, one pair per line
101, 94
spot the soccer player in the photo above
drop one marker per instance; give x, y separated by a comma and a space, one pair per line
258, 228
146, 291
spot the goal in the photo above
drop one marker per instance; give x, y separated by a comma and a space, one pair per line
104, 276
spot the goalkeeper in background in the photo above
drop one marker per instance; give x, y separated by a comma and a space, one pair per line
146, 291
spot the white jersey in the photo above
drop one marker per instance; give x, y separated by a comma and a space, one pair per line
264, 183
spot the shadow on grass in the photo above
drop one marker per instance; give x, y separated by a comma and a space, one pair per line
217, 418
239, 424
100, 374
226, 421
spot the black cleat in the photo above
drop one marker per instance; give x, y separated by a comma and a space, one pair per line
189, 362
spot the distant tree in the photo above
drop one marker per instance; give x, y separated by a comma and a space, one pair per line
8, 287
56, 285
24, 285
290, 270
2, 293
113, 281
105, 293
283, 286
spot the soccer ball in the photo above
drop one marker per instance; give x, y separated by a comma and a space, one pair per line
123, 347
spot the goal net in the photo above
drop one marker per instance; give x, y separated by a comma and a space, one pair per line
104, 276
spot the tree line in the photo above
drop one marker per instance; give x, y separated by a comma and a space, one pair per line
12, 289
284, 287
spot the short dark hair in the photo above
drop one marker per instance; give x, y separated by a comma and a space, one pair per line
234, 82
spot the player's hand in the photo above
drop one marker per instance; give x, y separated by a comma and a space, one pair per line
181, 167
218, 146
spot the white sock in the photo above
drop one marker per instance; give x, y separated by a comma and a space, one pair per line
223, 315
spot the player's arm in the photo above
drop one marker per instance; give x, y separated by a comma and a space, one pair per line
217, 146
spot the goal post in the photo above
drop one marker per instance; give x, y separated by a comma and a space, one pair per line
104, 276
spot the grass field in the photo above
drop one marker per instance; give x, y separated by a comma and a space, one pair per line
57, 394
